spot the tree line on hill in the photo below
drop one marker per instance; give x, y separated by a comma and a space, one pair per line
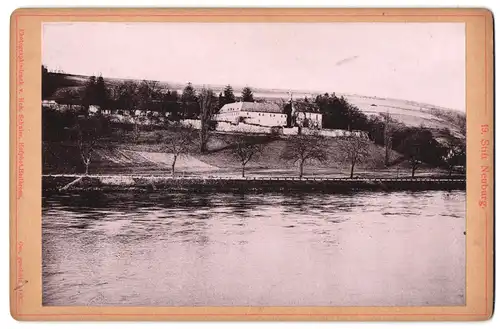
417, 145
131, 95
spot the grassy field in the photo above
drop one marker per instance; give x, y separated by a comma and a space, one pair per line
410, 113
124, 154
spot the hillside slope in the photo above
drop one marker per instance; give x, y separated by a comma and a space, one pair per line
410, 113
122, 156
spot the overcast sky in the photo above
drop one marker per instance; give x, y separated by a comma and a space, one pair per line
415, 61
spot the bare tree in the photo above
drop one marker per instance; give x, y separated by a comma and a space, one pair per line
89, 131
462, 124
126, 96
455, 154
149, 91
245, 148
136, 131
354, 149
301, 148
208, 103
415, 162
179, 142
86, 150
387, 138
418, 147
391, 127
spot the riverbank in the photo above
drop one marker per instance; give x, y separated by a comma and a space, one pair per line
61, 183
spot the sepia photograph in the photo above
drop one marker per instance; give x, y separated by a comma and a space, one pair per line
253, 164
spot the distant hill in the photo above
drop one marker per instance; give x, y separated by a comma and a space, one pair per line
412, 113
408, 112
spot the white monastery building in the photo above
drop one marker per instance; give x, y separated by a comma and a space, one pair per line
262, 114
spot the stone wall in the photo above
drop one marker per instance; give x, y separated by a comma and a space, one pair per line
242, 127
334, 132
196, 124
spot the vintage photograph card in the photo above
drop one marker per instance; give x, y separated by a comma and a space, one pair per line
251, 164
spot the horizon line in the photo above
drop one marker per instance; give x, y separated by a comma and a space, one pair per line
263, 89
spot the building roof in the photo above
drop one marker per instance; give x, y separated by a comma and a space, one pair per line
254, 107
260, 107
269, 107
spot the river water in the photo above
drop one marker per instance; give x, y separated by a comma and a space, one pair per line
159, 249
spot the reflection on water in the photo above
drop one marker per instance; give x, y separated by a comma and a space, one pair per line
161, 249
